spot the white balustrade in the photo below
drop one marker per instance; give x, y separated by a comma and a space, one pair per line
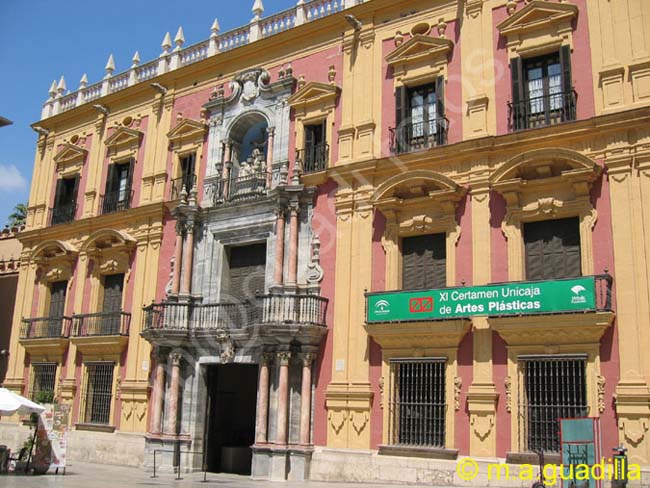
280, 22
195, 53
146, 71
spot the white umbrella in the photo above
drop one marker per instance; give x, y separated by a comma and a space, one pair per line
11, 403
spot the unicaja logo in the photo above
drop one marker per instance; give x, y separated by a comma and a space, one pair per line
382, 307
578, 297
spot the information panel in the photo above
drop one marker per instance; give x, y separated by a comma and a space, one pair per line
520, 298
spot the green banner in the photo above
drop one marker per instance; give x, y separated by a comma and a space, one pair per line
521, 298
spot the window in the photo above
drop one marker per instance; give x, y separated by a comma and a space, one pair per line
187, 177
424, 263
118, 187
542, 90
112, 305
552, 249
554, 387
43, 379
420, 117
316, 152
247, 271
65, 200
98, 393
417, 405
56, 313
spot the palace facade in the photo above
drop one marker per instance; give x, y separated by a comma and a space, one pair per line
214, 236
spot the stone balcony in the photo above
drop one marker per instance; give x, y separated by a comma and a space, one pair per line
265, 320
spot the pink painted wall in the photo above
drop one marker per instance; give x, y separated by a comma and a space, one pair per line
190, 107
498, 242
453, 91
609, 350
499, 373
324, 224
375, 355
581, 68
86, 305
464, 247
466, 374
167, 248
77, 398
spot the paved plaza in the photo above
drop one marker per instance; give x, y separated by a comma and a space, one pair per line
87, 475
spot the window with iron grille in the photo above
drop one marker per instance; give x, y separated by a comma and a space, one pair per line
98, 393
43, 378
551, 388
417, 403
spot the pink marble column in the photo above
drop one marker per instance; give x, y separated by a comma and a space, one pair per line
283, 398
189, 257
172, 410
261, 428
158, 395
279, 248
293, 244
178, 258
269, 157
305, 400
226, 170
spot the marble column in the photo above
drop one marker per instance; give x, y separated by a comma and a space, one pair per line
269, 157
189, 257
227, 166
178, 259
172, 410
283, 398
293, 244
158, 395
279, 248
261, 428
305, 400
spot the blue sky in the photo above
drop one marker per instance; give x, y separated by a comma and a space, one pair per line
42, 40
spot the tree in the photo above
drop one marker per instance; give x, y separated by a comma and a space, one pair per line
18, 217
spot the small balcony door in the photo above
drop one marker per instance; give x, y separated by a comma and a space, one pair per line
112, 306
58, 291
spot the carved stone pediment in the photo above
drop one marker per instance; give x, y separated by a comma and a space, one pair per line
54, 259
420, 48
537, 15
187, 130
313, 94
111, 250
69, 153
123, 136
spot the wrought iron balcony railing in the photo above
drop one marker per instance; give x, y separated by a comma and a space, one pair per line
417, 136
242, 188
263, 310
543, 111
45, 328
62, 214
313, 159
115, 201
101, 324
187, 182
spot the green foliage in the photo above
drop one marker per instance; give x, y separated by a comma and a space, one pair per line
18, 217
44, 396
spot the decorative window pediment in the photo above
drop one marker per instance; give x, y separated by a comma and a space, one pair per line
123, 136
70, 158
419, 53
538, 15
314, 94
540, 27
55, 260
111, 250
187, 131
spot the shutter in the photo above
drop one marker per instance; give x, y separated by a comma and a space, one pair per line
310, 137
110, 179
247, 271
129, 179
113, 286
440, 97
565, 63
323, 133
424, 263
552, 249
57, 298
58, 195
77, 177
400, 105
516, 72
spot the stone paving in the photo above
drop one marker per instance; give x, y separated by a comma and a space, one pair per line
86, 475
